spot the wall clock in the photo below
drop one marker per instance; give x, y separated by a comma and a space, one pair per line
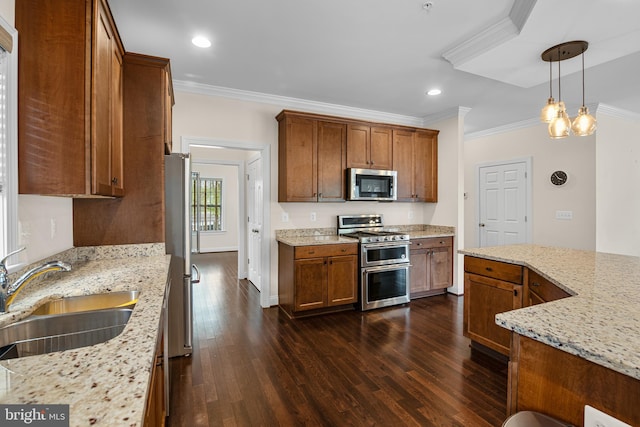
559, 178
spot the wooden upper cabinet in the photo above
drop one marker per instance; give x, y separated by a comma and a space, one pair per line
332, 146
70, 99
315, 150
369, 147
312, 159
297, 159
415, 157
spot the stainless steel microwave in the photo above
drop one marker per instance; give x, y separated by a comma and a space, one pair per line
371, 184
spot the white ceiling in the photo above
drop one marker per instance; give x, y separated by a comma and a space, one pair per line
383, 55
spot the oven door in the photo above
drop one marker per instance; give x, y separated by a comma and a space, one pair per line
374, 254
384, 286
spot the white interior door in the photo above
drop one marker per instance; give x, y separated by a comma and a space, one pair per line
503, 204
255, 200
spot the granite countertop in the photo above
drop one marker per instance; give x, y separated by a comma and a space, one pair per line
104, 384
600, 322
327, 236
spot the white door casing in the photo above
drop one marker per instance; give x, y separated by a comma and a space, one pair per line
504, 203
255, 206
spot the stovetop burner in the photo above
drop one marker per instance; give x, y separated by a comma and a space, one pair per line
367, 229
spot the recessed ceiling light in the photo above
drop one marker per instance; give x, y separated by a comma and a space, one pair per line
434, 92
201, 41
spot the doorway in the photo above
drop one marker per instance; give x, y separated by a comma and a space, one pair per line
261, 214
504, 203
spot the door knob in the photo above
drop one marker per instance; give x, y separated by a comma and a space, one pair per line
481, 224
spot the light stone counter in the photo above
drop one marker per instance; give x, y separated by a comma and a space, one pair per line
105, 384
327, 236
600, 322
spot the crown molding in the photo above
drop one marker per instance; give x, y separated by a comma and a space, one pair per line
296, 103
522, 124
492, 36
455, 112
616, 112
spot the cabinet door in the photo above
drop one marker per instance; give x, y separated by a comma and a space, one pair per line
332, 160
403, 163
381, 148
101, 107
117, 139
297, 160
310, 284
426, 171
342, 280
484, 298
419, 276
358, 142
440, 267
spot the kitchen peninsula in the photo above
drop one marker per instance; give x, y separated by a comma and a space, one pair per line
107, 384
577, 350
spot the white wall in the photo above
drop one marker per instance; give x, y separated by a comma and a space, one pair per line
227, 239
618, 185
575, 155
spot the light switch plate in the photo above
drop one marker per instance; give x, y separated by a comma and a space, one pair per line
285, 217
313, 216
564, 214
596, 418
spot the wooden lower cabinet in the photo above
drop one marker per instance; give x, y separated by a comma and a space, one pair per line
156, 411
490, 288
316, 279
545, 379
540, 290
431, 270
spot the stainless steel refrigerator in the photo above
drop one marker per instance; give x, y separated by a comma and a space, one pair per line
177, 178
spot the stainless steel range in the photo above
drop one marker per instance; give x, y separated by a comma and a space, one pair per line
384, 260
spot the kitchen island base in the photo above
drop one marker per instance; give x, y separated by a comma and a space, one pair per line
548, 380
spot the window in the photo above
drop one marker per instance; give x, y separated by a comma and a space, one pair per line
206, 205
8, 140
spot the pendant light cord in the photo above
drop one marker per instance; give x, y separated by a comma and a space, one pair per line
583, 77
559, 75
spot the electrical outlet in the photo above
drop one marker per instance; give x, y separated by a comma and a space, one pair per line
313, 216
285, 217
53, 228
410, 214
564, 215
595, 418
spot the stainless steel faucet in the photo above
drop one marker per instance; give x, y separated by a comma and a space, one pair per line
8, 291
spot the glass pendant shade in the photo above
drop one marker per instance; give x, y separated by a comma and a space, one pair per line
549, 111
560, 126
584, 124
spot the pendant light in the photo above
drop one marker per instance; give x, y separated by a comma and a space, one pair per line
584, 124
560, 125
549, 111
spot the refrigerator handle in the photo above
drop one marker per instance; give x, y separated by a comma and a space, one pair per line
196, 277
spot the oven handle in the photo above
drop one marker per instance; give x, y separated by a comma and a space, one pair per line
395, 266
400, 244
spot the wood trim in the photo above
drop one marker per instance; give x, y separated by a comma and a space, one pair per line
345, 120
6, 40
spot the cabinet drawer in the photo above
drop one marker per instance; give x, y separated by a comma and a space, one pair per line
544, 289
494, 269
325, 250
431, 242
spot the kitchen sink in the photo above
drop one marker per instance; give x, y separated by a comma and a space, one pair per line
88, 303
50, 333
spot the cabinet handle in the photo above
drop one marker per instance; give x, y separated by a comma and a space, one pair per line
488, 268
371, 162
418, 244
344, 250
442, 242
535, 284
319, 195
114, 181
311, 252
515, 292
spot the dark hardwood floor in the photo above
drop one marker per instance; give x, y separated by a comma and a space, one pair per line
404, 365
